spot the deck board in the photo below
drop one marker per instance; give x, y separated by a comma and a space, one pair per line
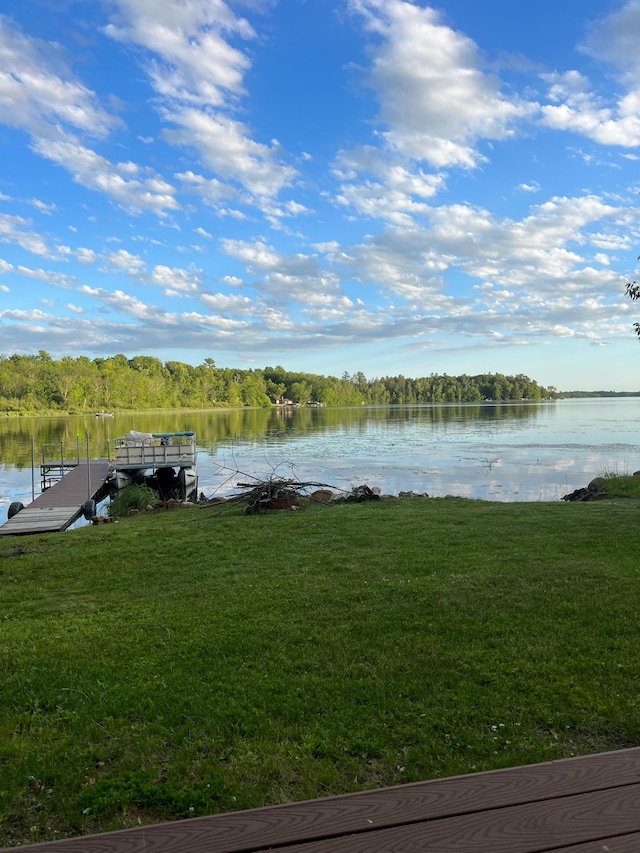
528, 828
74, 487
614, 844
582, 805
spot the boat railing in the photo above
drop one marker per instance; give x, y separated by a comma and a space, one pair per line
151, 450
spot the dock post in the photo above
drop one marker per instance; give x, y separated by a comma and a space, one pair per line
88, 469
33, 469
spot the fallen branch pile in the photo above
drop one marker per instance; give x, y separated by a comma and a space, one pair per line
280, 494
276, 492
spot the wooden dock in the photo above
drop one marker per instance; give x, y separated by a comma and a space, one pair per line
577, 805
58, 507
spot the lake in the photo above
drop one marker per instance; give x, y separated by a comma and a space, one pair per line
493, 451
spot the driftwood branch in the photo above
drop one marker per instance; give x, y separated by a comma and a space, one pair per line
271, 492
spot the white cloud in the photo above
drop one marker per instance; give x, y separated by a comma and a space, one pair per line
133, 187
435, 98
176, 279
12, 230
614, 38
577, 108
124, 261
32, 314
397, 192
226, 148
226, 303
195, 64
39, 93
275, 213
86, 256
283, 278
380, 202
42, 206
524, 269
211, 190
532, 187
260, 257
50, 276
215, 321
131, 305
393, 172
199, 75
41, 96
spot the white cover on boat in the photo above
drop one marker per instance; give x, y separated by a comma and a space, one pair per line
134, 438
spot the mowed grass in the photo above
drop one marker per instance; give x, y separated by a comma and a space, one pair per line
189, 662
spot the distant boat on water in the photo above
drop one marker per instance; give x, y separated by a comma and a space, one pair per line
104, 414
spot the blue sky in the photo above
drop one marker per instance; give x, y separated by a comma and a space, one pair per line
381, 186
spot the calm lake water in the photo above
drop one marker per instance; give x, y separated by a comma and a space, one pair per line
499, 452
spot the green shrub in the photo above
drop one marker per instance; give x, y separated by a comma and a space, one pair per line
133, 497
627, 485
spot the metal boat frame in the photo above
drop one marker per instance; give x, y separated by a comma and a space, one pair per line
165, 461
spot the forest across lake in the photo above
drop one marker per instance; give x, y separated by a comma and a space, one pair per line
41, 384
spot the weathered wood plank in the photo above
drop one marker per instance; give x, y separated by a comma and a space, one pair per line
74, 487
616, 844
40, 520
44, 514
530, 828
372, 813
32, 512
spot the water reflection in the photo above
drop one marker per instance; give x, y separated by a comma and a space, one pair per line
508, 451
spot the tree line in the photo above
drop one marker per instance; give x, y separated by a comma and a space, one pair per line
39, 383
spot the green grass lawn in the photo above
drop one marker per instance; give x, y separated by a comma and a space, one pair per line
188, 662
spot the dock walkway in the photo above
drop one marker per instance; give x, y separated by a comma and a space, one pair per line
576, 805
58, 507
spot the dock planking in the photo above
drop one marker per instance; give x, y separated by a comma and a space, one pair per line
584, 805
57, 508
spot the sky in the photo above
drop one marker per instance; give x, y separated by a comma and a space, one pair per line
382, 186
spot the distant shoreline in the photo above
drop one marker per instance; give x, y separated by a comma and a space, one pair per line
561, 395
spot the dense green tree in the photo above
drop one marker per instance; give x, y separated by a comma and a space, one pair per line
253, 390
300, 392
39, 383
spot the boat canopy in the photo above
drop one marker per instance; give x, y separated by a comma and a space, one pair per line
171, 434
134, 438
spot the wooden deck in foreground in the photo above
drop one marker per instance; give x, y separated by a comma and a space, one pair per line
577, 805
58, 507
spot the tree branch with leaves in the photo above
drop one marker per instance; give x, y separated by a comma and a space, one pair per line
633, 292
